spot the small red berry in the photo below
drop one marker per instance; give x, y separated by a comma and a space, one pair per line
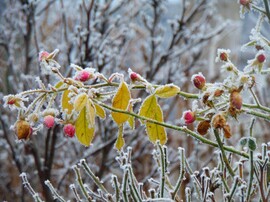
189, 117
261, 58
48, 121
83, 76
69, 130
223, 56
134, 76
198, 81
43, 55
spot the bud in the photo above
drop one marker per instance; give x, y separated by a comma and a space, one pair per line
198, 81
23, 129
48, 121
244, 2
189, 117
43, 55
69, 130
261, 58
11, 101
223, 56
203, 127
236, 99
134, 76
218, 121
83, 76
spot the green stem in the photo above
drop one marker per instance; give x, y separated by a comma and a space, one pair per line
225, 159
162, 184
79, 179
266, 5
182, 172
177, 128
92, 175
251, 167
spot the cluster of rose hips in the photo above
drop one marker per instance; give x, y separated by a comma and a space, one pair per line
211, 92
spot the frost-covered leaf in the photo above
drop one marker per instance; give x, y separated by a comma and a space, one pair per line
91, 112
80, 102
252, 144
167, 91
243, 141
66, 106
120, 142
100, 111
151, 109
121, 101
84, 132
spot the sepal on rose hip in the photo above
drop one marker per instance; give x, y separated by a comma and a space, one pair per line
236, 99
203, 127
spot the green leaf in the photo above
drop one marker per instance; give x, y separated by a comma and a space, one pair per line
167, 91
151, 109
121, 101
252, 144
84, 132
120, 142
243, 141
66, 106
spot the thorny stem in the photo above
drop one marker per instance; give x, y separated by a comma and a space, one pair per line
117, 190
162, 184
27, 185
132, 185
251, 167
178, 128
54, 192
74, 190
92, 175
182, 172
235, 183
79, 179
266, 5
225, 159
124, 189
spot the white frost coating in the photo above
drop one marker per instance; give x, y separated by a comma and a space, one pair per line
23, 175
72, 186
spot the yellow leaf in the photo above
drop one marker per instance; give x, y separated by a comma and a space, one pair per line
120, 142
90, 112
84, 132
80, 101
100, 111
66, 106
121, 101
59, 84
151, 109
167, 91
